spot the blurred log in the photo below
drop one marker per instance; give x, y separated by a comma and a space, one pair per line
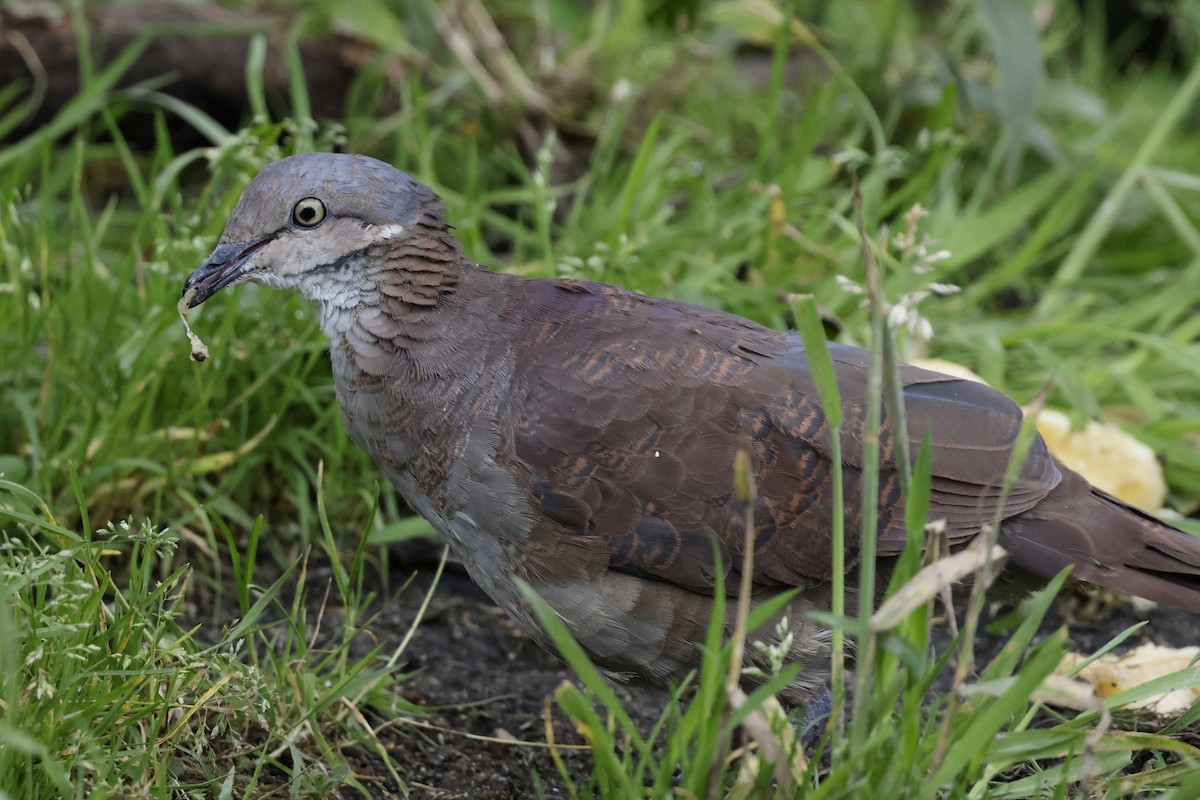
201, 50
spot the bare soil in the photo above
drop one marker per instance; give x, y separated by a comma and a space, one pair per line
480, 679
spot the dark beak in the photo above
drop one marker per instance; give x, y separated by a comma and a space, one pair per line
226, 264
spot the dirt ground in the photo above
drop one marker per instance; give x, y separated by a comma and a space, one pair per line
479, 676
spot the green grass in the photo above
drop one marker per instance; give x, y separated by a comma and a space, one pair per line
1065, 192
111, 690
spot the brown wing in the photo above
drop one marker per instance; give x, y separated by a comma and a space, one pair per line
632, 408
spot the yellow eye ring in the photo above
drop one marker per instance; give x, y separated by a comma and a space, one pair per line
308, 213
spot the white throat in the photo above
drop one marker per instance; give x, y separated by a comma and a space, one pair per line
335, 318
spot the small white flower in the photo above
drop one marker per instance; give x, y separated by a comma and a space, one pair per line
848, 286
35, 656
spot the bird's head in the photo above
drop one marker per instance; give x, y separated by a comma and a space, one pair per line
304, 222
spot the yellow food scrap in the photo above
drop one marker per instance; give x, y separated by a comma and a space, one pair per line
1110, 675
948, 368
1108, 457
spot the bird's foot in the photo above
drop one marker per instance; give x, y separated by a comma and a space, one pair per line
816, 714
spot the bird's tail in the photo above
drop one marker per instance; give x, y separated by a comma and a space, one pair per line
1108, 542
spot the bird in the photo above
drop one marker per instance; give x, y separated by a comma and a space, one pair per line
580, 437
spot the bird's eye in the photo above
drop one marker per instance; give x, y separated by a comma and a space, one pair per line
309, 212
